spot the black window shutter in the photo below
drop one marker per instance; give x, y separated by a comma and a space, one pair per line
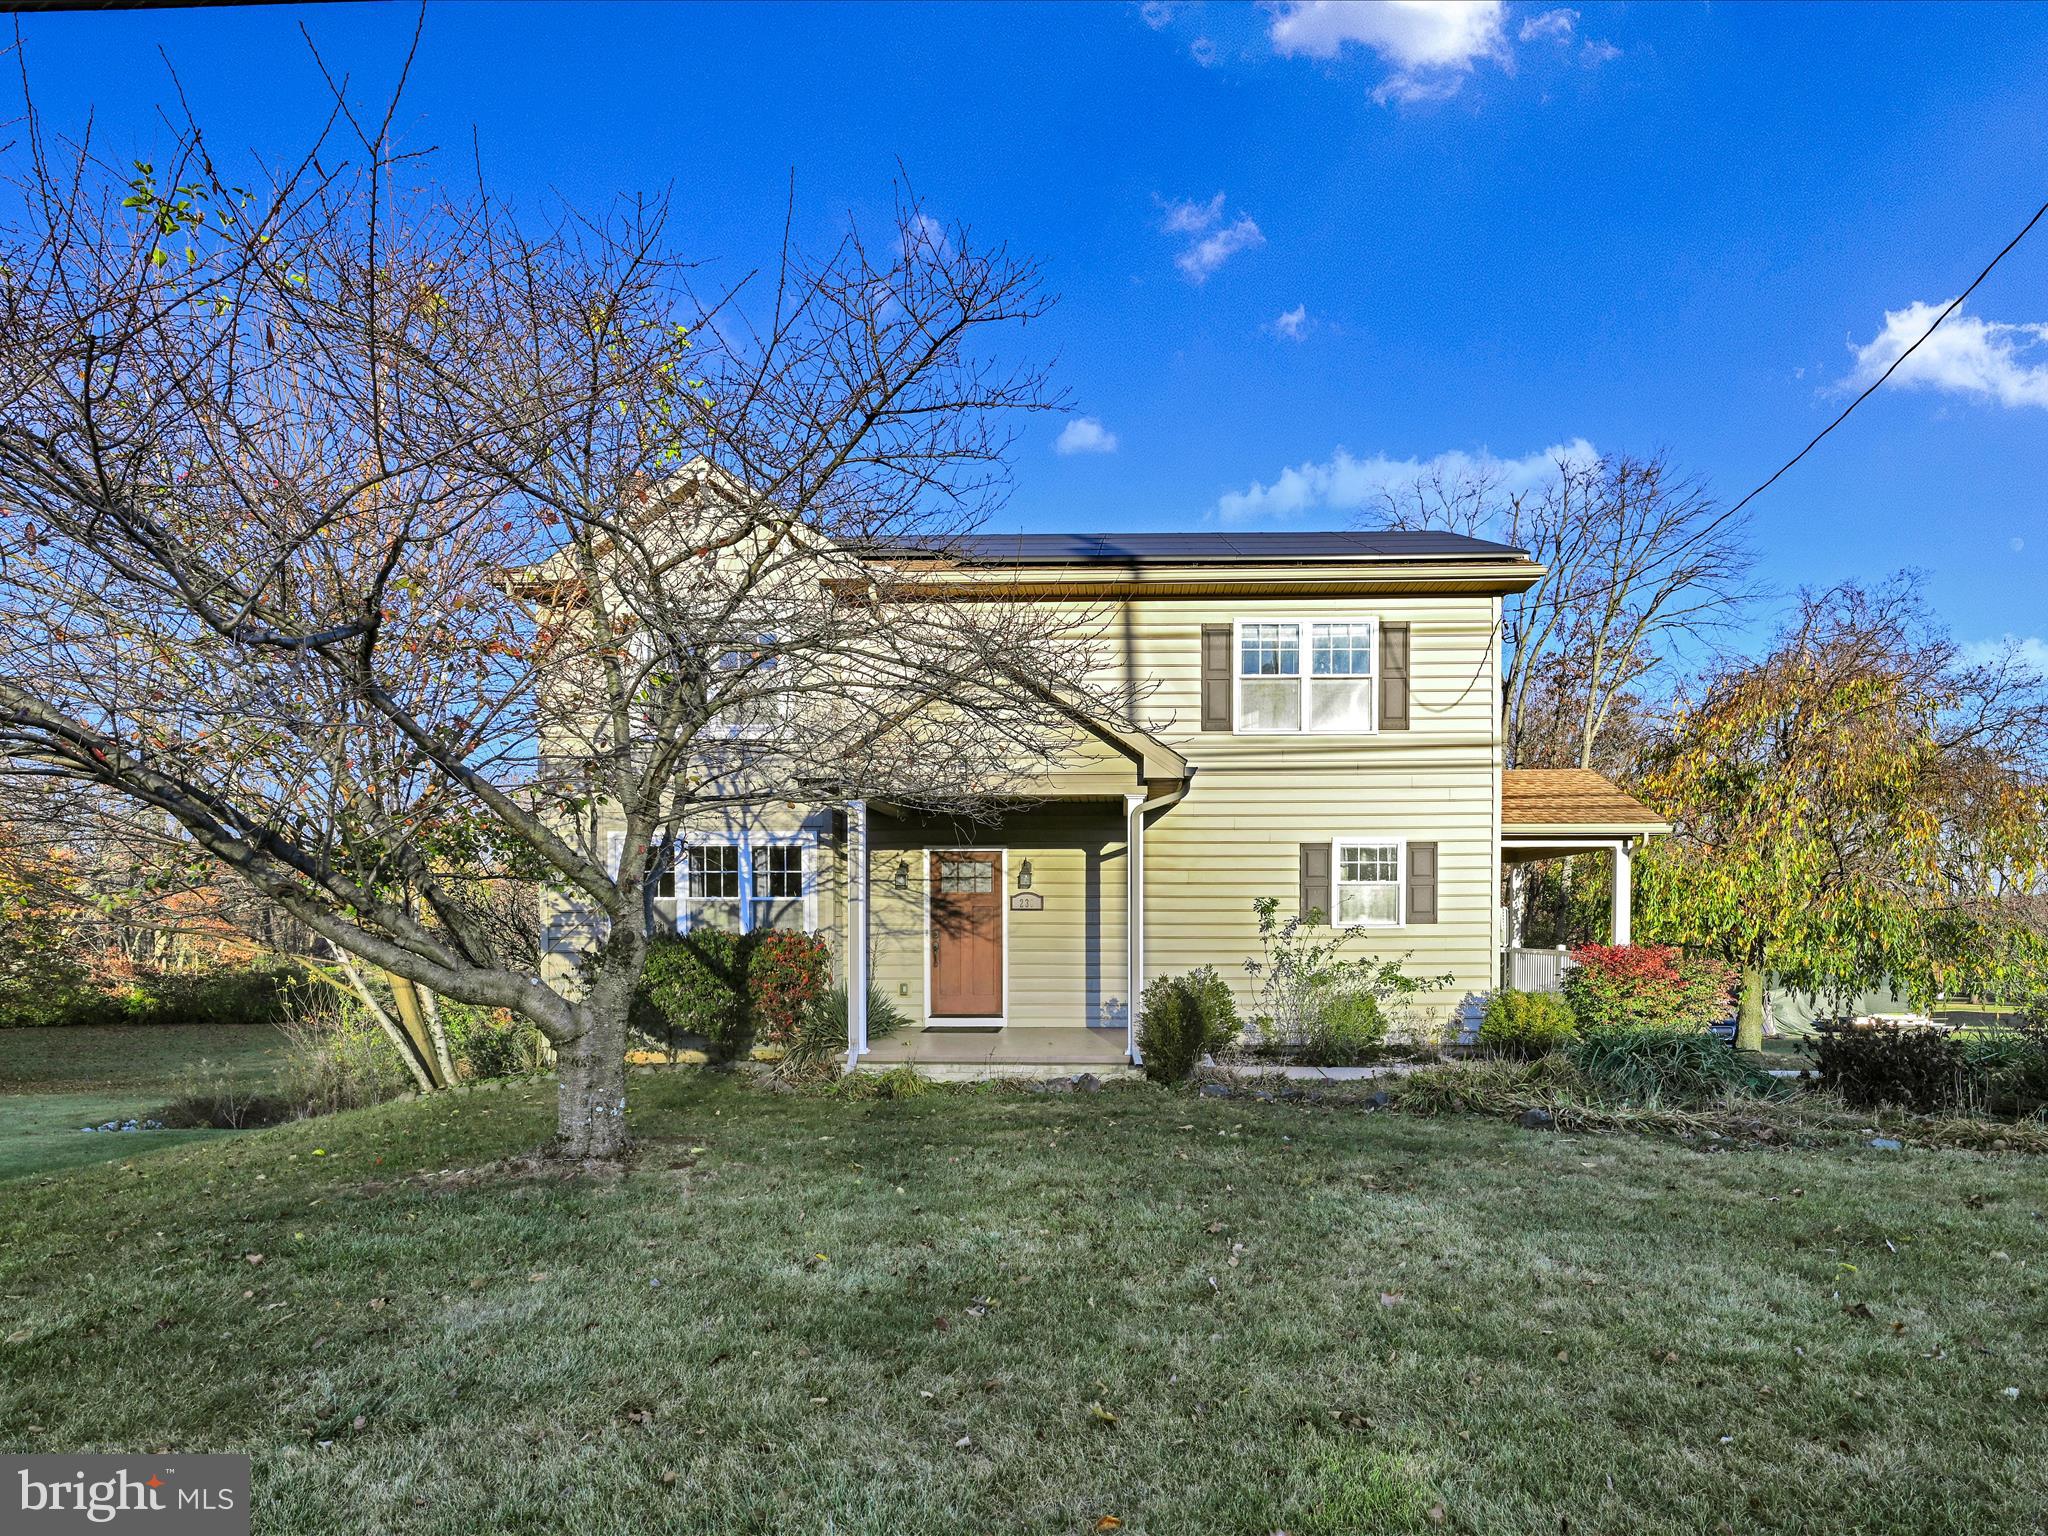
1216, 679
1422, 882
1315, 879
1393, 677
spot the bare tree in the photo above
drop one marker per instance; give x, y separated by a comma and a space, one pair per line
1640, 566
394, 546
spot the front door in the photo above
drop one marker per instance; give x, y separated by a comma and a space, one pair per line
967, 933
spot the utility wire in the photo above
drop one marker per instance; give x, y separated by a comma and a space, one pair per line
1952, 308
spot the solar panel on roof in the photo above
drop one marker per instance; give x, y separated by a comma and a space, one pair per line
1196, 548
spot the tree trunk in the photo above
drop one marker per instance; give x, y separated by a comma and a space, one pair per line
1749, 1013
590, 1101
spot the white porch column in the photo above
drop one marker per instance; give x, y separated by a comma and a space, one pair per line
856, 932
1623, 877
1134, 918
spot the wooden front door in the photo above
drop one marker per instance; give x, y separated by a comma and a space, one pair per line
967, 933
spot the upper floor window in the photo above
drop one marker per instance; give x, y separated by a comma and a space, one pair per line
1306, 675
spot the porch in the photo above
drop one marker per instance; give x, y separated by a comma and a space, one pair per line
1014, 942
1554, 813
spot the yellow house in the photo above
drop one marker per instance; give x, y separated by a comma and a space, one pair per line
1323, 729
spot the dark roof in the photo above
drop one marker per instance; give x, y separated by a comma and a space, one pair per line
1191, 548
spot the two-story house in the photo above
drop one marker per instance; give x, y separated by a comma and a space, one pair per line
1324, 730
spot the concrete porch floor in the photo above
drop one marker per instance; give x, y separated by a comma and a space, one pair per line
1075, 1047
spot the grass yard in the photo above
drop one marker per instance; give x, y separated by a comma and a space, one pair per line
994, 1311
53, 1081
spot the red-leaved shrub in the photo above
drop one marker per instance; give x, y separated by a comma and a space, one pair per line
786, 974
1647, 986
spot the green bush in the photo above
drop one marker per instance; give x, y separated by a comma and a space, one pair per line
818, 1048
1346, 1029
1666, 1066
1526, 1024
490, 1043
1934, 1072
240, 995
695, 984
1181, 1019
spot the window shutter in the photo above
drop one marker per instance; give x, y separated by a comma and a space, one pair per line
1216, 677
1393, 677
1422, 882
1315, 879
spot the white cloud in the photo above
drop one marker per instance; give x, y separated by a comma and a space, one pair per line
1184, 216
1084, 434
1293, 324
2030, 651
2017, 543
1218, 241
1157, 14
1967, 356
1344, 483
1598, 51
1203, 52
1202, 258
1431, 44
1557, 24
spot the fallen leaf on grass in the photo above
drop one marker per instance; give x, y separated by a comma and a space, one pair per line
1109, 1523
1858, 1309
1392, 1298
1102, 1415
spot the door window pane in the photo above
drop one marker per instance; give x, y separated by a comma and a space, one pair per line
966, 877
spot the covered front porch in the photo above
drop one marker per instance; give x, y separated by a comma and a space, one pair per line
1555, 813
1014, 941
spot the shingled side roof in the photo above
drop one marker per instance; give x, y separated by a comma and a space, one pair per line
1571, 797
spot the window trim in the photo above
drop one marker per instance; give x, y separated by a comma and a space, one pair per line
744, 843
1304, 679
1345, 840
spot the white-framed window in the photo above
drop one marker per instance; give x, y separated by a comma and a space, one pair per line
759, 715
1366, 882
1307, 675
745, 886
710, 888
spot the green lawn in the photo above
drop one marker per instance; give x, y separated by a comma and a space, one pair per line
55, 1081
995, 1311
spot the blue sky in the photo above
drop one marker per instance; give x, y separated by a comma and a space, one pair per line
1311, 239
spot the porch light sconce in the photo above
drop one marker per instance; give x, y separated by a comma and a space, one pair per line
903, 874
1024, 876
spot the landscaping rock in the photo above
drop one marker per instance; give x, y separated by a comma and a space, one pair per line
1537, 1120
1087, 1082
1381, 1099
1885, 1144
1215, 1090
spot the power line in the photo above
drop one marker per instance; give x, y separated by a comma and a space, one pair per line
1952, 308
